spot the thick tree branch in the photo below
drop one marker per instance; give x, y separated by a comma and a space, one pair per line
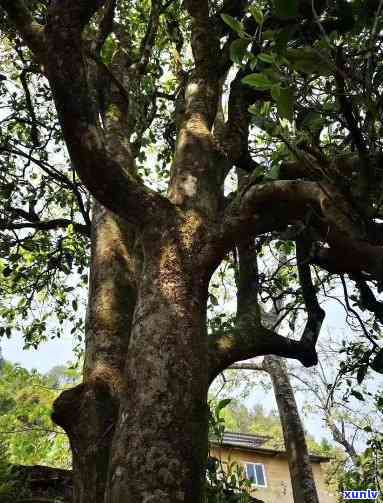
202, 92
277, 204
110, 182
315, 314
75, 14
106, 25
243, 344
234, 139
195, 180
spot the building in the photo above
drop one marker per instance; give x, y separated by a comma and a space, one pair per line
267, 468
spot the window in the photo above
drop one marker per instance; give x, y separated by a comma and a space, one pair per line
255, 472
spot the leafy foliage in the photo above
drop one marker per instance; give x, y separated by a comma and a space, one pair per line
25, 406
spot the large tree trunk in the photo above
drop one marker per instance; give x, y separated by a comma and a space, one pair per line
138, 423
301, 474
160, 444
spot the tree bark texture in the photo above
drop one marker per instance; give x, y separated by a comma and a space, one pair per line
301, 474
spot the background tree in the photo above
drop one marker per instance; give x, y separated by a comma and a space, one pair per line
26, 429
124, 75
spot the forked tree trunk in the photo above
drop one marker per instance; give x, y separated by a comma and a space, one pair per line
138, 424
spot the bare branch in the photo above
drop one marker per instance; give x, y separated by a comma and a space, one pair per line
247, 366
46, 225
149, 39
347, 107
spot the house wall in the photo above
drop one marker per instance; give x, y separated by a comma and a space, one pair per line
278, 488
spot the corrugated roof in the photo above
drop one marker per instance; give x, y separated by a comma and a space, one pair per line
255, 443
244, 439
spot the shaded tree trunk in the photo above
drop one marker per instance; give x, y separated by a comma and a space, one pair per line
89, 411
160, 444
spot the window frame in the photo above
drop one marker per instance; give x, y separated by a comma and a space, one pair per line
255, 484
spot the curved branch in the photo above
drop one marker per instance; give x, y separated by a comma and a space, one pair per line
112, 183
367, 298
277, 204
249, 338
246, 343
234, 138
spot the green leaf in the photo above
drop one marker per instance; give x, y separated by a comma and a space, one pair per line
361, 374
253, 62
286, 9
357, 395
276, 91
221, 405
285, 103
257, 14
232, 23
274, 172
310, 61
377, 362
258, 80
266, 58
238, 50
268, 35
